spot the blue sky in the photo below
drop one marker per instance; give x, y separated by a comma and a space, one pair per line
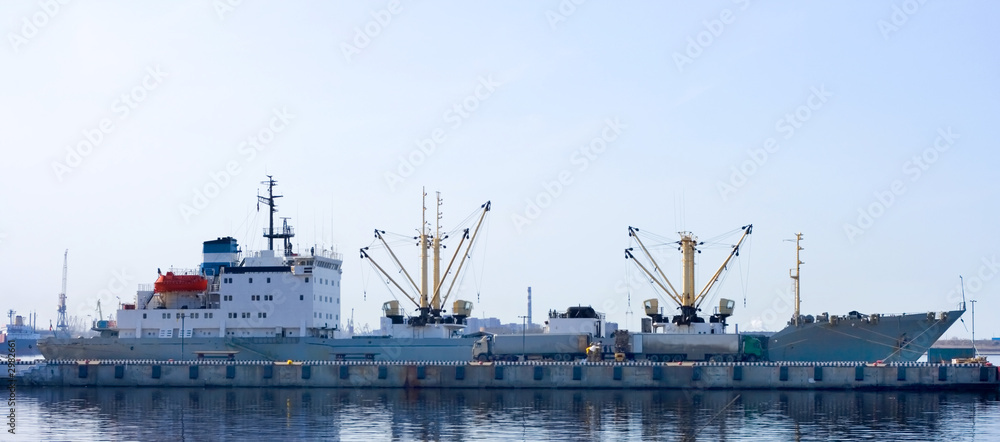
865, 125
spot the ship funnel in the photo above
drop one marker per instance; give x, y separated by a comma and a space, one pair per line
219, 253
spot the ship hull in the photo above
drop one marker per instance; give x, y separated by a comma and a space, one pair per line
273, 349
22, 347
893, 338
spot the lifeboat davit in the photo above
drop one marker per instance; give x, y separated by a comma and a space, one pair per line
179, 283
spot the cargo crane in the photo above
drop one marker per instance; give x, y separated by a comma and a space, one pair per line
427, 296
686, 336
61, 323
687, 301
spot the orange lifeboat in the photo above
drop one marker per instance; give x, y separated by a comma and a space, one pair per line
179, 283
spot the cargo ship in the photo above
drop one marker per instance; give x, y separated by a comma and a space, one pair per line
823, 338
276, 304
285, 305
690, 336
20, 336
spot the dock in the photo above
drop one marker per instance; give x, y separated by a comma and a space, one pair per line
512, 375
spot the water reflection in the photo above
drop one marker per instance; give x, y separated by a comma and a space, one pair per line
332, 414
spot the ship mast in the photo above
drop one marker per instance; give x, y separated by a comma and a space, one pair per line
424, 307
286, 232
795, 277
436, 246
688, 242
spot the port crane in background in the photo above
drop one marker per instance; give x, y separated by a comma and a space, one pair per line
61, 324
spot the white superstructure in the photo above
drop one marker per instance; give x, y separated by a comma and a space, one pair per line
262, 296
266, 294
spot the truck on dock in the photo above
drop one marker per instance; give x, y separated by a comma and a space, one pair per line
544, 346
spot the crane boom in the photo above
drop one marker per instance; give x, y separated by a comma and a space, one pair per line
715, 277
386, 274
633, 232
472, 240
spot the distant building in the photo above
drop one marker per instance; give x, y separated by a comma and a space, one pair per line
477, 324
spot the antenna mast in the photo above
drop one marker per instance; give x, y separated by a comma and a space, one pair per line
61, 319
286, 231
436, 246
795, 277
424, 306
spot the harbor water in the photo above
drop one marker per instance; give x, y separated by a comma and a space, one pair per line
432, 414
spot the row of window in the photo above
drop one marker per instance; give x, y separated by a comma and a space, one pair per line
253, 297
326, 299
268, 280
194, 315
249, 280
245, 315
325, 316
324, 281
327, 265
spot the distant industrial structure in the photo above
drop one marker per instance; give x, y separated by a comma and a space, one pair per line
61, 323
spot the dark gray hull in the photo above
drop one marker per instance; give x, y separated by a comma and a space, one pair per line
24, 348
272, 349
891, 339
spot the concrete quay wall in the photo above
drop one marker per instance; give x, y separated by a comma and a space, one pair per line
568, 375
